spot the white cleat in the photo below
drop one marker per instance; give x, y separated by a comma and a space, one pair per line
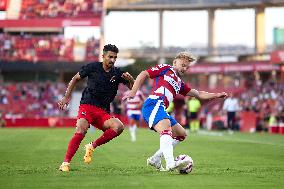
179, 164
157, 163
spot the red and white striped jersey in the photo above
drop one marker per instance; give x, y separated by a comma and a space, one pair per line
133, 105
166, 84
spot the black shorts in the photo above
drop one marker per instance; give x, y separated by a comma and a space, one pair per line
193, 115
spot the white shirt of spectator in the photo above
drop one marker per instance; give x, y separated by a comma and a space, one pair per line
231, 105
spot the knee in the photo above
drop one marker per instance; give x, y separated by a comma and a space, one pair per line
81, 129
82, 126
118, 127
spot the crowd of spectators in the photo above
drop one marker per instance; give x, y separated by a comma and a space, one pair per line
40, 100
34, 48
92, 49
61, 8
265, 99
31, 100
34, 99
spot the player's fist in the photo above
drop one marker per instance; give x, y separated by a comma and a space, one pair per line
127, 76
63, 102
222, 95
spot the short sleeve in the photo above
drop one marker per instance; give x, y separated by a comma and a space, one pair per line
158, 70
184, 89
85, 70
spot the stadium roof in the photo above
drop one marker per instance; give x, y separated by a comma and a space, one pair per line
153, 5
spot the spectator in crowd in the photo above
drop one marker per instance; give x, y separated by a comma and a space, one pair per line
231, 106
193, 105
2, 121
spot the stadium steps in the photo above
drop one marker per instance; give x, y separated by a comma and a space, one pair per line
14, 8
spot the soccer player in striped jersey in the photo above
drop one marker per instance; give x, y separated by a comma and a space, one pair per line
133, 107
167, 84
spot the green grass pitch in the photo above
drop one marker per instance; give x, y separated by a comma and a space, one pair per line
29, 158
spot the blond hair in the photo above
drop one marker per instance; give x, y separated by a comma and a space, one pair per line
187, 56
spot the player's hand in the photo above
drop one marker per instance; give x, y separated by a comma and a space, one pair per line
222, 95
127, 76
128, 95
63, 102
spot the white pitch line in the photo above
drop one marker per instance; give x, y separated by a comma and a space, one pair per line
219, 134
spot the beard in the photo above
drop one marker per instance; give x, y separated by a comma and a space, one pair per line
110, 64
180, 73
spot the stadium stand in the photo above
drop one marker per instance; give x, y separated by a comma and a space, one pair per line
60, 9
257, 99
92, 49
31, 99
44, 48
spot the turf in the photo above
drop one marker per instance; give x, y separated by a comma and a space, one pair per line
29, 158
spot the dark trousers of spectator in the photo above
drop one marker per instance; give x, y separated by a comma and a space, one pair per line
231, 119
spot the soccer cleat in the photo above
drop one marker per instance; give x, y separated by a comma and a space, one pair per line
178, 165
89, 153
64, 167
157, 163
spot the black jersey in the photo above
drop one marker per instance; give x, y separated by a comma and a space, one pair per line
102, 86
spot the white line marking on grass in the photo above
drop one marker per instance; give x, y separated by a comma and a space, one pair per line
220, 134
255, 142
210, 133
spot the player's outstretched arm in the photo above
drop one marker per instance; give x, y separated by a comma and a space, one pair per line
137, 84
203, 95
65, 99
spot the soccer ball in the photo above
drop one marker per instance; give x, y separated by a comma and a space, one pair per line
188, 168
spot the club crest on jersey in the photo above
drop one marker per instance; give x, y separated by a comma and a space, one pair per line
173, 83
112, 79
84, 113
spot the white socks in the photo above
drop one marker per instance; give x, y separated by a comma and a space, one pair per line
159, 153
175, 142
132, 131
166, 146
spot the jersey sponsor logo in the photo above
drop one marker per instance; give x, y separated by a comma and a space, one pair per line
173, 83
156, 68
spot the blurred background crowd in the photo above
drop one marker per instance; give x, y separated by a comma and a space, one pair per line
43, 43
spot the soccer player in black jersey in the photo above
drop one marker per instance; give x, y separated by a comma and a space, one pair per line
102, 86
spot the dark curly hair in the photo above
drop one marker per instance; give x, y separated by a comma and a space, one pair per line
110, 47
